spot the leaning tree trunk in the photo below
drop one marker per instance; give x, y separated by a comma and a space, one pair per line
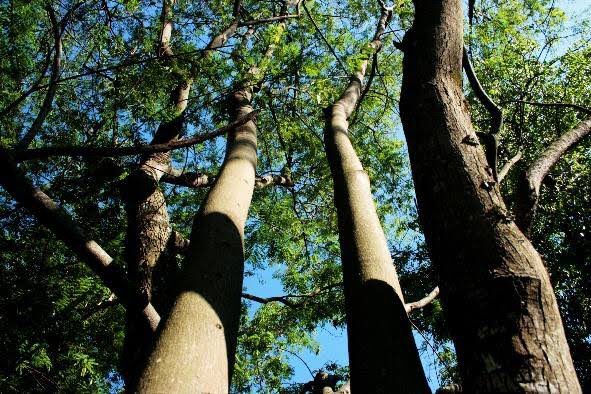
499, 302
382, 352
196, 349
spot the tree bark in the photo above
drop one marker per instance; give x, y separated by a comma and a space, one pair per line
499, 302
530, 181
382, 353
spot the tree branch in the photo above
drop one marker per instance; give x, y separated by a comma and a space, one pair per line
33, 88
86, 151
268, 20
164, 49
15, 182
265, 300
177, 243
345, 388
52, 86
197, 179
508, 165
451, 388
494, 110
528, 189
285, 299
261, 182
339, 61
423, 301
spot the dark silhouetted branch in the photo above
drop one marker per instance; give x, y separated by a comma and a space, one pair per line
51, 87
285, 299
86, 151
265, 300
338, 59
494, 110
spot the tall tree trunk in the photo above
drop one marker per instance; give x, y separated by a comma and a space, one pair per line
382, 352
196, 349
148, 229
499, 302
148, 226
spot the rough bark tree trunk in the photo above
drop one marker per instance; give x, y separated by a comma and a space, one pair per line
382, 352
499, 302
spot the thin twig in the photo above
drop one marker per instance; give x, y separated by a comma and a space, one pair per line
341, 64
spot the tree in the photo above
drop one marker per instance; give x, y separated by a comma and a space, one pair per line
198, 341
486, 265
86, 113
383, 355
